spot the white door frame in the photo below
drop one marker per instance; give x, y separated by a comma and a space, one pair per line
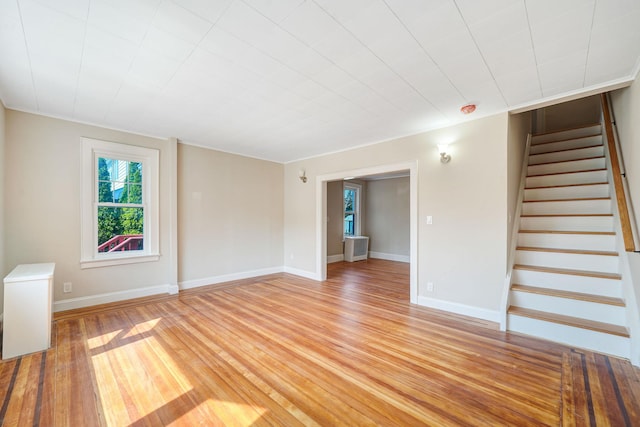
321, 217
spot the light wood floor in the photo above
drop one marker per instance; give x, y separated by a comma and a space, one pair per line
288, 351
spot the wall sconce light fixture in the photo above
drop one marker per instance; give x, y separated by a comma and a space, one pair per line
302, 174
442, 149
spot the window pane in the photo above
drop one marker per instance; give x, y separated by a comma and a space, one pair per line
105, 185
119, 181
349, 197
133, 188
348, 223
134, 193
120, 229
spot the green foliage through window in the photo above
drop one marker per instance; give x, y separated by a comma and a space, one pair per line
120, 210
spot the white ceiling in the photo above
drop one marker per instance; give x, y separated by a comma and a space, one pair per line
289, 79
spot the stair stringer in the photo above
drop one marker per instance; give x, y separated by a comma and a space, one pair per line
629, 295
506, 291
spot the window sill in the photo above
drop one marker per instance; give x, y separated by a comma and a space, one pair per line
108, 262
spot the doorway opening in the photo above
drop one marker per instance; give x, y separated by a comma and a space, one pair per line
321, 216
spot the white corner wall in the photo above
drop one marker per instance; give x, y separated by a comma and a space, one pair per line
42, 210
230, 216
464, 252
3, 271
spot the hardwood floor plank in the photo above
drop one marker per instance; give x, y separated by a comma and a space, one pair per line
213, 370
285, 350
310, 372
386, 362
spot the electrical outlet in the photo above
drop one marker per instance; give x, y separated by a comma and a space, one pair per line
67, 287
429, 219
429, 286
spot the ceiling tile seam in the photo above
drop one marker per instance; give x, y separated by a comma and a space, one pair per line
26, 46
373, 53
84, 43
213, 24
381, 60
321, 55
426, 53
484, 60
586, 59
115, 96
533, 48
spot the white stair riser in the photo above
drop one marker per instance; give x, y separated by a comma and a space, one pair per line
572, 166
567, 134
570, 307
559, 193
561, 156
599, 263
569, 144
589, 223
569, 282
577, 337
568, 241
566, 179
567, 207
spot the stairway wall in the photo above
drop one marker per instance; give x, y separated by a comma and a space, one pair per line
567, 115
626, 109
518, 128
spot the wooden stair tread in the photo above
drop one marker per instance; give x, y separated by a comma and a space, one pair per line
566, 185
565, 173
565, 161
564, 139
575, 322
563, 215
567, 200
567, 251
594, 233
568, 129
584, 273
562, 149
618, 302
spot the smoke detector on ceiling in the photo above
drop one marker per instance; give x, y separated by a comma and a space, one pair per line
468, 109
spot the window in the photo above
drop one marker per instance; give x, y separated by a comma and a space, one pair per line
119, 204
352, 209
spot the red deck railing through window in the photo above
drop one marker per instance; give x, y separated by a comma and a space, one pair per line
122, 242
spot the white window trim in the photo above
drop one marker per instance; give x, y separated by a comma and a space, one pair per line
357, 210
92, 149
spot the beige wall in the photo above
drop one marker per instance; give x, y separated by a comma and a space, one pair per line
626, 108
579, 112
42, 205
464, 252
3, 271
335, 221
387, 207
230, 215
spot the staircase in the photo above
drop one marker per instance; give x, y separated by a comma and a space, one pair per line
566, 284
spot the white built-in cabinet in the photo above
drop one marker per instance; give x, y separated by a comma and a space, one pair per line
28, 300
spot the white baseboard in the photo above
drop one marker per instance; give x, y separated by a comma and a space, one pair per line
80, 302
188, 284
335, 258
454, 307
302, 273
389, 257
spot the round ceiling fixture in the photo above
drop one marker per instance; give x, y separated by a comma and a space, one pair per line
468, 109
